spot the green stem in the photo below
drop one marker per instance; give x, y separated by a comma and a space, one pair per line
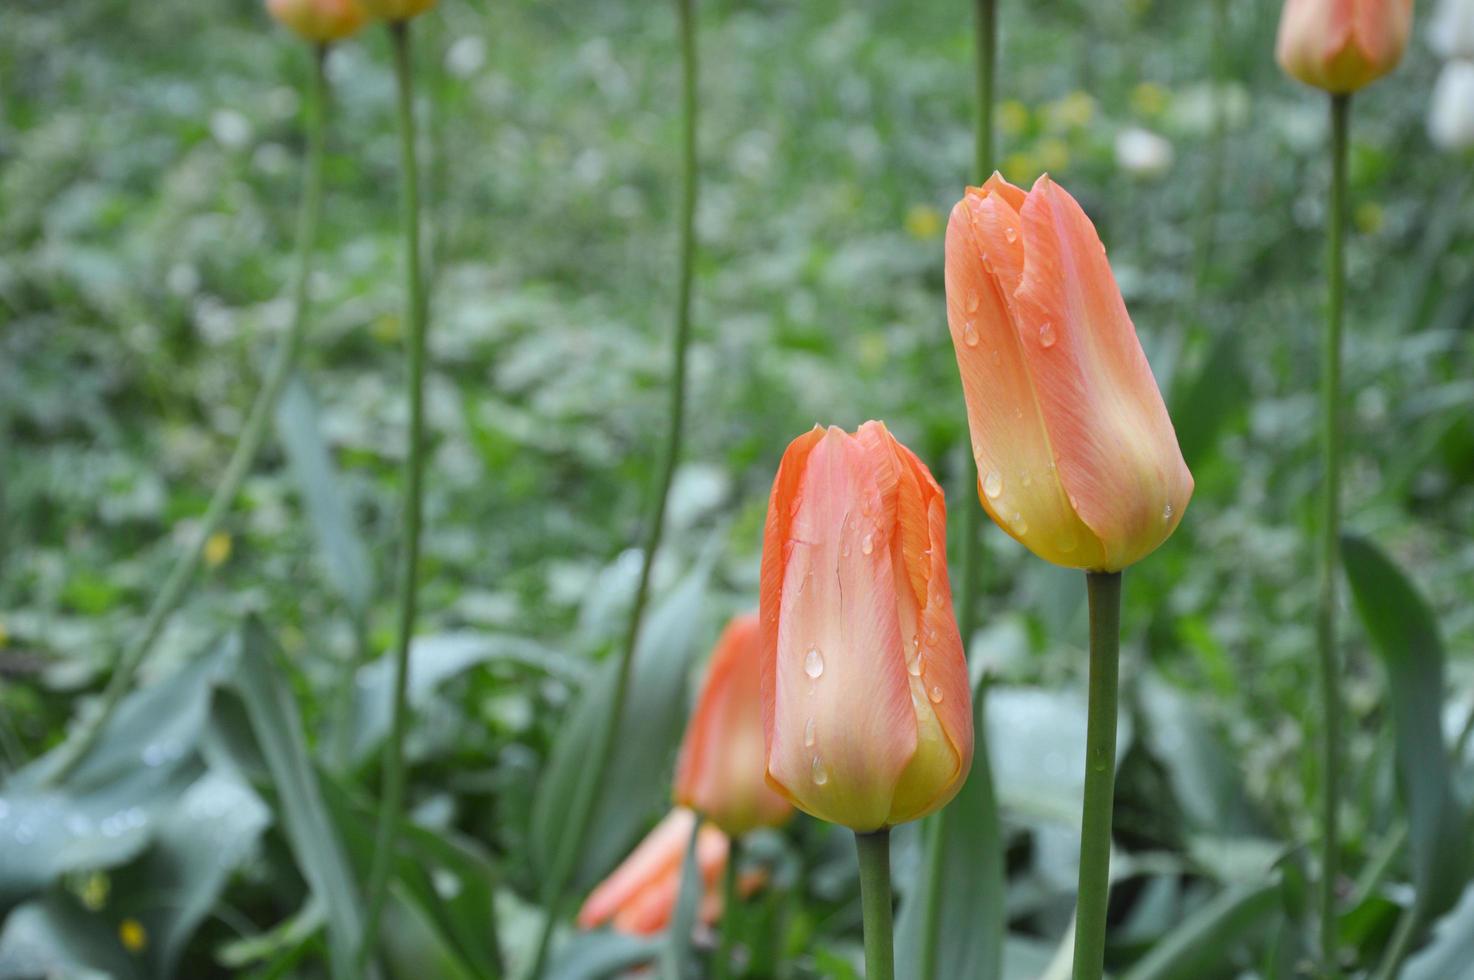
582, 811
1104, 589
1330, 529
248, 444
392, 803
721, 967
875, 903
985, 23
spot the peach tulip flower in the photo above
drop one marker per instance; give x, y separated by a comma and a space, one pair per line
1342, 45
639, 897
1076, 455
398, 9
721, 773
867, 711
321, 21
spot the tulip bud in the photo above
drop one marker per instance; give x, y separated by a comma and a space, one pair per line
1076, 455
639, 897
397, 9
867, 711
721, 773
1451, 114
1342, 45
321, 21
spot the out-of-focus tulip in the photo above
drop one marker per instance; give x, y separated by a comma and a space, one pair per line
866, 707
1451, 29
1142, 153
398, 9
1342, 45
321, 21
639, 897
1451, 114
723, 764
1076, 455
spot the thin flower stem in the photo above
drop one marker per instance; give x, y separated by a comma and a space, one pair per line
721, 966
581, 816
1104, 590
1330, 529
248, 444
391, 804
985, 23
875, 903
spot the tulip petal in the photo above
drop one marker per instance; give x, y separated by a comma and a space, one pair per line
660, 852
839, 754
1018, 482
1117, 453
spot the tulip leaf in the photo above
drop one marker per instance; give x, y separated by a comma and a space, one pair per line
1199, 948
603, 954
329, 509
310, 831
971, 924
638, 780
1406, 637
677, 961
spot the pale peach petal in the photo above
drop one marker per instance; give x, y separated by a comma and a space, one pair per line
655, 856
1118, 458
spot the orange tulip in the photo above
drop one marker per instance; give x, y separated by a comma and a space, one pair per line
321, 21
639, 897
867, 711
398, 9
1342, 45
1076, 455
721, 770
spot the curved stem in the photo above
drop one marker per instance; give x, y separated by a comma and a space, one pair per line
721, 966
248, 444
392, 802
875, 903
588, 789
985, 23
1104, 589
1330, 529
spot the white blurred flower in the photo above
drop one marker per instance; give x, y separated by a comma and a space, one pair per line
230, 129
1451, 29
466, 56
1451, 112
1142, 153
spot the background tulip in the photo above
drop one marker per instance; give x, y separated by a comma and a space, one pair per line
398, 9
1342, 45
640, 895
866, 707
319, 20
721, 773
1076, 455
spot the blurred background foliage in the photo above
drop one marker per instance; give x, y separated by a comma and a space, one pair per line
149, 166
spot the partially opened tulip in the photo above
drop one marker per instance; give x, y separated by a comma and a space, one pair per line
722, 769
866, 705
1342, 45
321, 21
1076, 455
639, 897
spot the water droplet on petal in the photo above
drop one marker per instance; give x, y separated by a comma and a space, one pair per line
821, 775
814, 662
931, 637
1167, 512
969, 334
1010, 233
993, 484
809, 734
1020, 525
1046, 334
972, 302
916, 639
844, 550
936, 695
867, 543
914, 666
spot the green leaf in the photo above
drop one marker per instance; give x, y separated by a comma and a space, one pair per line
603, 954
56, 937
1199, 948
313, 838
638, 780
1406, 637
329, 510
1451, 949
291, 933
676, 958
972, 908
1204, 407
